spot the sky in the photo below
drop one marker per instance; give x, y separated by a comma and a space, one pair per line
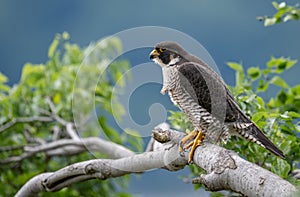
228, 30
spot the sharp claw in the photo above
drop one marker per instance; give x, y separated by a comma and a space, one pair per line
196, 137
181, 148
182, 154
190, 162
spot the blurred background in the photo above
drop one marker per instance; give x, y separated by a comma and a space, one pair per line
228, 30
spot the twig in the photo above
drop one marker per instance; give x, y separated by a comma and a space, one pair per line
56, 131
33, 139
296, 173
69, 125
10, 148
71, 131
54, 112
16, 159
23, 120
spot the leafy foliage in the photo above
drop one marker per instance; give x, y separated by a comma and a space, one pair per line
33, 112
283, 13
278, 116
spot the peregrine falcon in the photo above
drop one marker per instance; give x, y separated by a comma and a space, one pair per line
203, 96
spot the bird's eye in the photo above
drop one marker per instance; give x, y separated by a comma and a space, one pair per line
161, 50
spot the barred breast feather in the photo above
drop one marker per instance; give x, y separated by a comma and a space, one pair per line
198, 109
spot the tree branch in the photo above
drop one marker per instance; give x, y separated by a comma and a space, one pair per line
225, 169
69, 125
72, 147
102, 169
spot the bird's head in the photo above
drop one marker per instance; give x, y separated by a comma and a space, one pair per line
167, 53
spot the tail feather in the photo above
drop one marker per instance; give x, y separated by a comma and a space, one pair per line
264, 141
254, 134
247, 128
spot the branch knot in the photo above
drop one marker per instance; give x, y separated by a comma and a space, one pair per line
224, 160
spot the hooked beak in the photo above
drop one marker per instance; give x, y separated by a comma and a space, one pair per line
154, 54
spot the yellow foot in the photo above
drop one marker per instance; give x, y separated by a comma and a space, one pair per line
196, 137
190, 135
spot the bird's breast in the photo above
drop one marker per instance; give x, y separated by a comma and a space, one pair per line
173, 97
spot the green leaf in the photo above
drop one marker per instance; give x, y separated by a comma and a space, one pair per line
134, 139
270, 21
73, 54
116, 42
275, 5
294, 114
53, 47
235, 66
278, 81
286, 130
3, 78
4, 88
291, 17
283, 13
262, 86
296, 90
271, 103
109, 132
280, 64
121, 194
283, 167
65, 35
259, 115
32, 73
217, 194
254, 72
261, 102
282, 96
239, 75
57, 98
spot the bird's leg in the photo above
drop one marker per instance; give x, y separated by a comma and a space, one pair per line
196, 137
190, 135
197, 141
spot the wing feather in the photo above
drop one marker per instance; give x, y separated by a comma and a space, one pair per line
211, 93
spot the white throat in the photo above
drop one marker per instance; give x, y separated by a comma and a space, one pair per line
171, 63
174, 61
